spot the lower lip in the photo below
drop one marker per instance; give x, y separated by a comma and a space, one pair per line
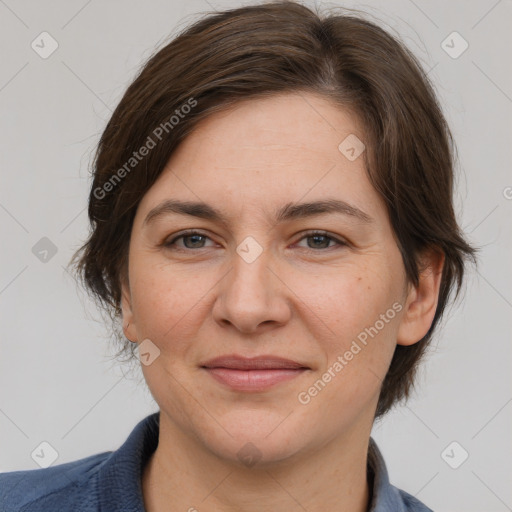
253, 380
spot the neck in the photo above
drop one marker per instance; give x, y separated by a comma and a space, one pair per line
182, 475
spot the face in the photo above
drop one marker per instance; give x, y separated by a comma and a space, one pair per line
321, 287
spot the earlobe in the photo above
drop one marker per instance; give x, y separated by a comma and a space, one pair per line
421, 301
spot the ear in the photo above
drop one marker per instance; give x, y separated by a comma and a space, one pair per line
129, 326
421, 302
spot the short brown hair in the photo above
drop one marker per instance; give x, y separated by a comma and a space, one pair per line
263, 50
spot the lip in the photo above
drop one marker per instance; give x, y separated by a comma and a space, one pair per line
254, 373
264, 362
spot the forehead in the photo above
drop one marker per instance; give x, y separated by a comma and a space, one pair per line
283, 122
267, 152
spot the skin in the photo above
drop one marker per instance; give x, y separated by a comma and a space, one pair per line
303, 298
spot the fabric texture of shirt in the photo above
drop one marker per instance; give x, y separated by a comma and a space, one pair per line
112, 481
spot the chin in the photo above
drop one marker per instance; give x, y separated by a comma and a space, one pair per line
257, 439
258, 454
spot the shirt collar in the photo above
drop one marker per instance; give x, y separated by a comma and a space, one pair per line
385, 497
120, 476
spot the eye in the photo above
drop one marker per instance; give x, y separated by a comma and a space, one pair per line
191, 240
321, 240
196, 240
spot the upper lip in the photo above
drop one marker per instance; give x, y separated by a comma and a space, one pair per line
264, 362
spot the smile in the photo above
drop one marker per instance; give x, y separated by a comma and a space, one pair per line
252, 374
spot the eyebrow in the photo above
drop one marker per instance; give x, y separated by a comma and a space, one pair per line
289, 211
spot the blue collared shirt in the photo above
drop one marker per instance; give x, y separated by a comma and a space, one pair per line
111, 481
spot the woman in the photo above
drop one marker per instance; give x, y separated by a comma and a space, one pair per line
272, 222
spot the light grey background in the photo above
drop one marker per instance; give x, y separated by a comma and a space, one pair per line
57, 381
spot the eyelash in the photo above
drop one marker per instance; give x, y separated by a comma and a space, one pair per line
308, 234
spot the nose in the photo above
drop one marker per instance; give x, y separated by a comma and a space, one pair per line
253, 297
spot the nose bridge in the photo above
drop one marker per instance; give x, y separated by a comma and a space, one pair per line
250, 250
253, 233
250, 269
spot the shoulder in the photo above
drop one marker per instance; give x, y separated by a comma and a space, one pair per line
69, 486
104, 481
412, 504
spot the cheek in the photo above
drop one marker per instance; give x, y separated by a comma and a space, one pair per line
357, 345
166, 302
357, 334
354, 325
344, 302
